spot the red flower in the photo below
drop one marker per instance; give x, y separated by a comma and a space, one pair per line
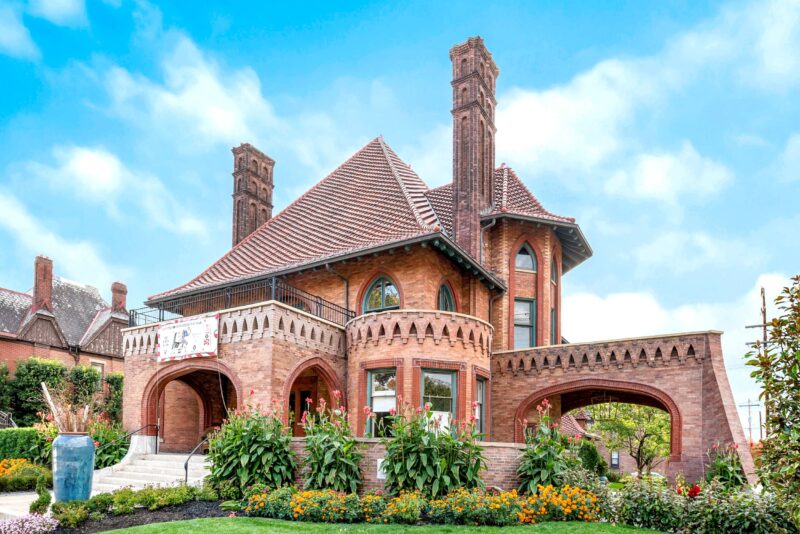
694, 491
252, 392
96, 443
679, 490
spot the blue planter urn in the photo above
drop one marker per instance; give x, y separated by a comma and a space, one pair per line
73, 466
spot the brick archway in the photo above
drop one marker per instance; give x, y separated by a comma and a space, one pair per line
632, 392
322, 368
158, 382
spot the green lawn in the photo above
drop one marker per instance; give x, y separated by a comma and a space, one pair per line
249, 524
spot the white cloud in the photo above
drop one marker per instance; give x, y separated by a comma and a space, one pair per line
96, 175
590, 317
79, 260
15, 39
71, 13
685, 252
670, 176
789, 162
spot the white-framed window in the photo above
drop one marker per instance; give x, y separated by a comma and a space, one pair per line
480, 405
439, 390
382, 398
524, 323
614, 460
101, 368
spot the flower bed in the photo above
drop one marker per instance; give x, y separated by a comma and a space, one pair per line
460, 507
19, 474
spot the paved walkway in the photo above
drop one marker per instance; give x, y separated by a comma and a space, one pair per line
16, 504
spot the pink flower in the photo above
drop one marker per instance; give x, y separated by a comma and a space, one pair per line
525, 422
96, 443
367, 410
419, 410
474, 404
427, 406
546, 403
252, 392
392, 411
472, 418
337, 394
309, 400
578, 437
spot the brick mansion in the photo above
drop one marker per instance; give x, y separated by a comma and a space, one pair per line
374, 284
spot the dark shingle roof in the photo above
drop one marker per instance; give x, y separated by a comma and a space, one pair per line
13, 308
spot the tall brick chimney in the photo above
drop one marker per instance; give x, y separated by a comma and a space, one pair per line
119, 292
474, 103
252, 190
43, 283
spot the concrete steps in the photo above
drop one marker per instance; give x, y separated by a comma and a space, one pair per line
150, 470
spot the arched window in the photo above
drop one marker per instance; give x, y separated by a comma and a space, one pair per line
554, 272
525, 259
445, 300
463, 67
381, 295
554, 301
255, 166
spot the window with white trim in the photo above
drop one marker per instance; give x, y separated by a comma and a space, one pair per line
382, 399
439, 390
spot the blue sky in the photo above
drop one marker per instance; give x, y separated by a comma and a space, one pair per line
668, 129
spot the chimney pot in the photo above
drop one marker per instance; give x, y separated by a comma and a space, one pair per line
119, 292
43, 283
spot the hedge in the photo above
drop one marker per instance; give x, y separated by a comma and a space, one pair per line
28, 398
26, 443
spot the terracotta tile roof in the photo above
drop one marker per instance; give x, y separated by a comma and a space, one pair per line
511, 196
372, 199
570, 427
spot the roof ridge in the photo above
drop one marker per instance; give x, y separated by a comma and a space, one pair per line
533, 197
17, 292
411, 202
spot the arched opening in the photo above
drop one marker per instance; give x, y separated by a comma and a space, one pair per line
311, 380
577, 394
381, 294
187, 400
445, 300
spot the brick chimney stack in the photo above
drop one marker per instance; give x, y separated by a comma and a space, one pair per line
43, 283
119, 292
252, 190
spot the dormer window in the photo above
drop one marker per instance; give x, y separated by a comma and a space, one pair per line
381, 295
525, 260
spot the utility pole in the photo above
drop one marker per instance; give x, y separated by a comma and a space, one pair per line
761, 345
750, 416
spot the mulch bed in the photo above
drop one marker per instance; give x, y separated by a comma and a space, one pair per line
142, 516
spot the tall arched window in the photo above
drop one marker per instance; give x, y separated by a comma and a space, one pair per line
525, 259
553, 303
445, 299
381, 295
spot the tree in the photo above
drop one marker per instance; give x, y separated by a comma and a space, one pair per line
641, 431
777, 369
28, 399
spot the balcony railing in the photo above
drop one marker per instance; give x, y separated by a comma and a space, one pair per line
241, 295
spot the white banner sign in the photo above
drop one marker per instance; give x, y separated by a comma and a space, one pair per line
188, 338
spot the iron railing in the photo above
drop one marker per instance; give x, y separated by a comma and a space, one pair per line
6, 421
186, 463
241, 295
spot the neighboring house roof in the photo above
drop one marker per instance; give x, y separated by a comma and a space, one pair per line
571, 427
78, 311
372, 200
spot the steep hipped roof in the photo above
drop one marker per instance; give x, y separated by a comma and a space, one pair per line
78, 309
374, 198
512, 199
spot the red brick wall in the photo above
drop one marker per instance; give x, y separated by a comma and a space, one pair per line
502, 460
12, 351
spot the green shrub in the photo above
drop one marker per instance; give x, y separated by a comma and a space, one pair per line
590, 457
421, 456
546, 456
325, 506
725, 466
86, 381
42, 502
406, 508
110, 446
113, 402
252, 447
28, 400
645, 505
5, 389
613, 476
718, 510
475, 507
154, 498
333, 453
100, 503
20, 474
70, 514
124, 501
28, 443
372, 508
275, 504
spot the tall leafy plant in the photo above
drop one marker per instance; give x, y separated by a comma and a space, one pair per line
333, 453
547, 456
423, 456
252, 447
28, 398
725, 466
85, 381
5, 389
113, 401
777, 369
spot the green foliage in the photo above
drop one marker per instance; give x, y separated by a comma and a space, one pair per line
28, 443
546, 456
725, 466
475, 507
42, 503
22, 477
5, 389
28, 400
276, 504
421, 456
641, 431
113, 402
333, 453
777, 370
645, 505
252, 447
406, 508
590, 457
325, 506
85, 381
70, 514
718, 510
372, 508
614, 476
110, 447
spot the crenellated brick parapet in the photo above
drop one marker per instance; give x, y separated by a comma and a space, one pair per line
651, 351
405, 326
269, 319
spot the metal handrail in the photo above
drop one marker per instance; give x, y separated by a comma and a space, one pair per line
186, 463
129, 434
6, 420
